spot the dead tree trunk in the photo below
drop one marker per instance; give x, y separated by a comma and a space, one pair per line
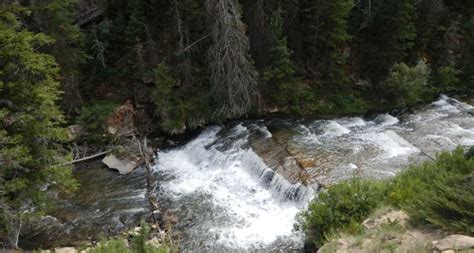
182, 33
233, 75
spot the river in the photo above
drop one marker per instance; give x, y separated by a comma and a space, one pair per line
240, 186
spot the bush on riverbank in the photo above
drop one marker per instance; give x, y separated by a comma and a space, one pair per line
342, 207
440, 193
139, 244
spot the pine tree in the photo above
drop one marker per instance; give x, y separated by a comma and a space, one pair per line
280, 74
467, 58
30, 125
325, 35
55, 18
383, 38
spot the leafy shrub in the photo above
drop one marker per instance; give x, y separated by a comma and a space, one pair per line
342, 207
407, 86
448, 168
348, 104
139, 244
449, 204
440, 193
446, 79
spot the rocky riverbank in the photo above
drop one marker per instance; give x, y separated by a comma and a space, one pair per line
390, 230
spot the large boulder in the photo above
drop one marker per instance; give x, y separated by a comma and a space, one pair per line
124, 165
454, 242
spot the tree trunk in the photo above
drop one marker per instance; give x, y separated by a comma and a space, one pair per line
14, 229
233, 75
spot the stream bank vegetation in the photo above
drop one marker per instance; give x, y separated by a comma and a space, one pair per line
436, 193
182, 64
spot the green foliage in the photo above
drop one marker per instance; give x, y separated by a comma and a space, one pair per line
139, 244
449, 204
93, 116
136, 23
177, 108
55, 18
467, 59
440, 192
111, 246
446, 79
419, 177
325, 35
342, 105
169, 106
407, 86
280, 74
342, 207
384, 35
30, 124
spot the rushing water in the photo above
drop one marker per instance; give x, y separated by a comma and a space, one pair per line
239, 187
227, 197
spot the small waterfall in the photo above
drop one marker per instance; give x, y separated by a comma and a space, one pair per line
243, 204
220, 166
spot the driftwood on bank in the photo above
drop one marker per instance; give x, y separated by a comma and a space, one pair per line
86, 158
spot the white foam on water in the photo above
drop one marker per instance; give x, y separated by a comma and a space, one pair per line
385, 120
233, 178
261, 205
466, 135
443, 105
352, 166
307, 136
334, 129
265, 131
352, 122
391, 143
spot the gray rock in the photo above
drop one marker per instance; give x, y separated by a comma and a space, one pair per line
155, 242
74, 131
392, 216
123, 165
65, 250
454, 242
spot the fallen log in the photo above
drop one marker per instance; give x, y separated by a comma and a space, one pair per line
85, 158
